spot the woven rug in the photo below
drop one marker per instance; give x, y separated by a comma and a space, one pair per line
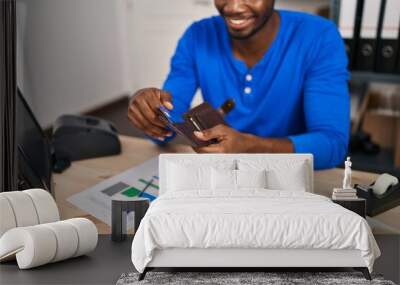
243, 278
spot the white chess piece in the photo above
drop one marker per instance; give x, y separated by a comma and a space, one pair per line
347, 174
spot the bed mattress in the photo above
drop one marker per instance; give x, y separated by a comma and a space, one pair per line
250, 219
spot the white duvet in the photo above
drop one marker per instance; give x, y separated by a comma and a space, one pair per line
250, 218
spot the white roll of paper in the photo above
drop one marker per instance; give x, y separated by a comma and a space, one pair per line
67, 240
33, 246
7, 217
87, 234
24, 210
45, 205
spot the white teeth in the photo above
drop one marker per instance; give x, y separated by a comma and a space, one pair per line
237, 22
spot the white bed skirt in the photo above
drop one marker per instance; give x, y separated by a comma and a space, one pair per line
193, 257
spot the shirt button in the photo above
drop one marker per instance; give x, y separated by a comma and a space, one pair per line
249, 77
247, 90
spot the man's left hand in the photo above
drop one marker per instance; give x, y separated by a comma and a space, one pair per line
229, 140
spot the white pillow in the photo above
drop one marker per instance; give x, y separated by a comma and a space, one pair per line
293, 180
281, 174
183, 177
223, 179
226, 179
251, 178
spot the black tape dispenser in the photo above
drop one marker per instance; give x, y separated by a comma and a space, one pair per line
81, 137
382, 195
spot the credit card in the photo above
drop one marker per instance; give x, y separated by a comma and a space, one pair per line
165, 115
165, 111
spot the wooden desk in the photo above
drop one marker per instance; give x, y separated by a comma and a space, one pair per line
86, 173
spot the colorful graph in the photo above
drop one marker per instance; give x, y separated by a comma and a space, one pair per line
146, 188
139, 181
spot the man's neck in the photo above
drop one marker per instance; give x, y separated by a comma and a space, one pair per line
252, 50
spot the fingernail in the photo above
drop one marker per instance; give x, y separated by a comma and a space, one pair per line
198, 134
161, 138
168, 105
169, 134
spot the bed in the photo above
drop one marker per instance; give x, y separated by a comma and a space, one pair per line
247, 210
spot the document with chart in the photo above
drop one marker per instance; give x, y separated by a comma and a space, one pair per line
141, 180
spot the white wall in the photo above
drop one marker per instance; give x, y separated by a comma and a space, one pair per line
154, 28
75, 55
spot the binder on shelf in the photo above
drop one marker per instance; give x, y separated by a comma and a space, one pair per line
349, 18
398, 61
367, 44
388, 38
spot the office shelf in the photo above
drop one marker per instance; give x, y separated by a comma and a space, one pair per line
375, 77
363, 76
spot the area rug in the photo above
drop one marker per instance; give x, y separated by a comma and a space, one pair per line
244, 278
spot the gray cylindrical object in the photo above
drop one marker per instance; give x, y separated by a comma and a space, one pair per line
119, 211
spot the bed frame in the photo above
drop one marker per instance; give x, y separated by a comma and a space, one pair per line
242, 259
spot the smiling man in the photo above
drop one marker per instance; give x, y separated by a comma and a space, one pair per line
286, 72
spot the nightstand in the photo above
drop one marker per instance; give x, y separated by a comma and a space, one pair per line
357, 206
120, 208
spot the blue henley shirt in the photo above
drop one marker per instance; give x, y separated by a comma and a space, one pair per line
298, 90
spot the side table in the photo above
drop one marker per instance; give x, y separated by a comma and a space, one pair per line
357, 206
119, 212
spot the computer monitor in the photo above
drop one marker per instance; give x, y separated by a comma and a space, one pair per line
33, 149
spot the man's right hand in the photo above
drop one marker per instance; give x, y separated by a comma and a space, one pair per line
143, 111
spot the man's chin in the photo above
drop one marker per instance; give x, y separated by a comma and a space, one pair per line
242, 35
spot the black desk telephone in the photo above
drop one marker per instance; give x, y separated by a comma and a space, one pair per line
381, 195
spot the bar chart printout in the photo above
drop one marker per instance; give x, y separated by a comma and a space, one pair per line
139, 181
